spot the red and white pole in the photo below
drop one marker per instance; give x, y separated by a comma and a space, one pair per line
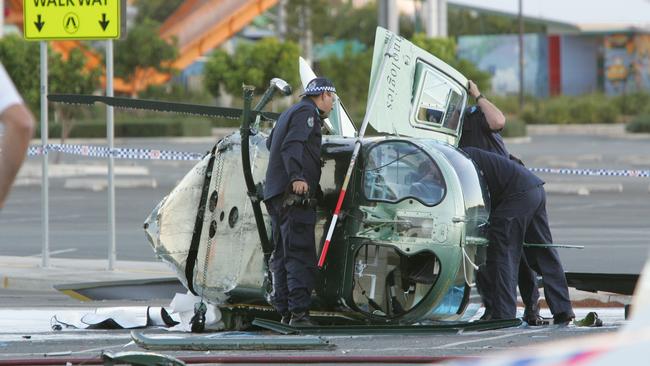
355, 153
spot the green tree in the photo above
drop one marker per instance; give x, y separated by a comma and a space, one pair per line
143, 49
333, 20
351, 75
467, 22
252, 64
320, 16
21, 59
157, 10
442, 48
70, 76
354, 23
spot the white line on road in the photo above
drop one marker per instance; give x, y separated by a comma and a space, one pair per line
508, 335
38, 218
583, 206
55, 252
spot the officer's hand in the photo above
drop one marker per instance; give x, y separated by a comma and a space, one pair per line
473, 89
300, 187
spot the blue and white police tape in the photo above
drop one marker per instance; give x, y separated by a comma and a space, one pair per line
594, 172
118, 153
154, 154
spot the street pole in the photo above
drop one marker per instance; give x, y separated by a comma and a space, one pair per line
282, 20
388, 16
45, 184
2, 18
306, 37
521, 57
111, 161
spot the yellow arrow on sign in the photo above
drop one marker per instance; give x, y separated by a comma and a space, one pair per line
72, 19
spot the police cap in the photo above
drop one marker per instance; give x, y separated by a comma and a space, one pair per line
318, 86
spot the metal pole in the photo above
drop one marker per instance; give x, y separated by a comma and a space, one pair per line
521, 57
388, 16
442, 18
111, 161
306, 37
2, 18
45, 183
392, 16
282, 20
431, 18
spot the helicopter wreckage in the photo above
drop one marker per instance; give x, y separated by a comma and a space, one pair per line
403, 250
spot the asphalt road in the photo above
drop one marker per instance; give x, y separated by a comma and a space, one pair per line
611, 223
26, 334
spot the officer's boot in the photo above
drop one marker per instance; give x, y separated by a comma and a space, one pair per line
532, 317
301, 319
563, 318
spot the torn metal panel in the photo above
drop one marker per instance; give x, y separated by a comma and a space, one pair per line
125, 317
228, 254
440, 327
140, 359
145, 289
228, 341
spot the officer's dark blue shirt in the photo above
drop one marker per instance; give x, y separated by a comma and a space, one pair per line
502, 175
477, 133
294, 145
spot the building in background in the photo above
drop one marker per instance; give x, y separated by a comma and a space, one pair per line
561, 58
613, 61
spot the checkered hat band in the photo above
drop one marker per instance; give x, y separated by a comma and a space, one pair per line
320, 89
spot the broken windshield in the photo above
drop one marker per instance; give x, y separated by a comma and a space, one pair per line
397, 170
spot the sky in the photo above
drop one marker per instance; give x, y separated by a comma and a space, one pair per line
633, 12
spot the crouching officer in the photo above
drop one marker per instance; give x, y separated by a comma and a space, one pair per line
518, 215
481, 129
292, 178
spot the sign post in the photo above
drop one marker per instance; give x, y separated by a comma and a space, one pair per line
45, 186
112, 250
46, 20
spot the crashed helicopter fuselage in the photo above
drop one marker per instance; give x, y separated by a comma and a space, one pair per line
404, 248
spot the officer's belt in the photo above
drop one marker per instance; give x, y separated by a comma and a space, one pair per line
292, 199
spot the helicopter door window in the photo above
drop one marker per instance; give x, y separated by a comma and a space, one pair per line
399, 170
440, 101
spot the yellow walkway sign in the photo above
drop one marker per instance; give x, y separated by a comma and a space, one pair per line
73, 19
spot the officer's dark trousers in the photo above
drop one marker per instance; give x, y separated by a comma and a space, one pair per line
293, 262
527, 280
522, 217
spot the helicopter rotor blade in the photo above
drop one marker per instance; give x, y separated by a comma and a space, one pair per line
158, 106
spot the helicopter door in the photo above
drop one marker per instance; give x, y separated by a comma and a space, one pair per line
419, 95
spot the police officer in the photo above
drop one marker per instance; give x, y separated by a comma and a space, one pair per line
481, 127
292, 180
518, 215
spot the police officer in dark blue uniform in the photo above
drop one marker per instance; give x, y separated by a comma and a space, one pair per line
482, 124
291, 184
518, 215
